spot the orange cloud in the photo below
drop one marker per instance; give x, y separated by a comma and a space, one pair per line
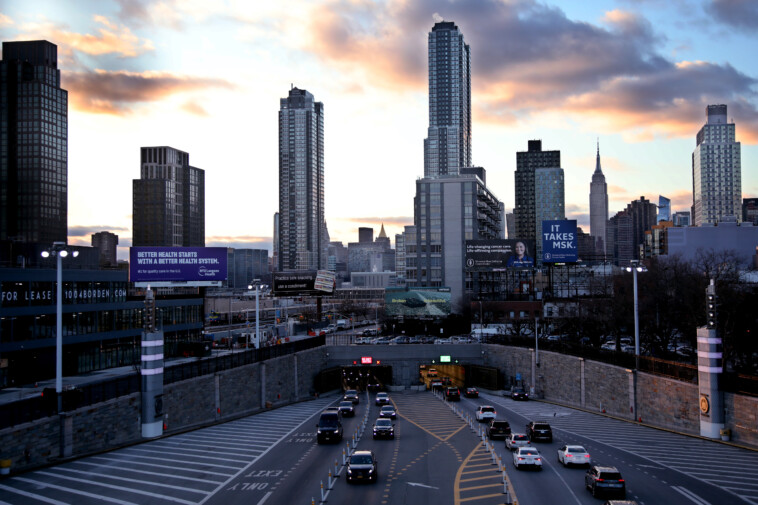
109, 39
5, 20
104, 92
195, 108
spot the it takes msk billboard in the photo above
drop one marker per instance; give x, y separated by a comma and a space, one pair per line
559, 241
201, 266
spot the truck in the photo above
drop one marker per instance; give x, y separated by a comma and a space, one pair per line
342, 324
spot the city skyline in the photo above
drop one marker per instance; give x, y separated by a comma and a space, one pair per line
208, 79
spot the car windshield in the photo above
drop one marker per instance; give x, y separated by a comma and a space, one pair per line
520, 437
610, 476
383, 423
576, 449
541, 426
518, 390
346, 404
387, 408
360, 459
488, 409
500, 424
529, 452
381, 395
351, 392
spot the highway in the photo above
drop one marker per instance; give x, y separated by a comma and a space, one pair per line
438, 457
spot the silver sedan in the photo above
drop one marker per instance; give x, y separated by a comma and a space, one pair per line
574, 455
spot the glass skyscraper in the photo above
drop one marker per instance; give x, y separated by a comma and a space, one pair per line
549, 200
447, 147
301, 183
33, 144
716, 171
664, 208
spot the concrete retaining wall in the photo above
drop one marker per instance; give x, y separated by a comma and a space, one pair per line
188, 404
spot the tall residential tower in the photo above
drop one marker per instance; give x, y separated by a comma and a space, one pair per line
526, 165
168, 200
33, 144
716, 172
301, 182
598, 207
447, 147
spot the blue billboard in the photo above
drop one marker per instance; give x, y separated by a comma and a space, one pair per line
559, 241
201, 265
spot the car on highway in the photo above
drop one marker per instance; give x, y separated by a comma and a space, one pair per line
620, 502
498, 429
380, 340
436, 384
383, 428
471, 393
605, 480
401, 339
527, 457
442, 341
382, 399
432, 372
363, 340
347, 409
370, 332
362, 467
452, 394
388, 411
519, 393
574, 455
329, 427
485, 413
352, 395
539, 430
516, 440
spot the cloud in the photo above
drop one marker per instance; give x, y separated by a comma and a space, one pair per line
109, 38
392, 220
740, 14
87, 231
240, 242
529, 58
195, 108
107, 92
5, 20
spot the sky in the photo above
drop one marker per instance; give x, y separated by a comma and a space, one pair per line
206, 78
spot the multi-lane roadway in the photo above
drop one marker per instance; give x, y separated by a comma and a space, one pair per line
437, 457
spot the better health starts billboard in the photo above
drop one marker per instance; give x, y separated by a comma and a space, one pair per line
559, 241
202, 265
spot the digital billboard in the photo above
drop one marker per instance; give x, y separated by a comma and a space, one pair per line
499, 254
198, 266
559, 241
297, 283
418, 302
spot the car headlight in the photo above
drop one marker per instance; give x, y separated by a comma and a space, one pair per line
349, 471
370, 471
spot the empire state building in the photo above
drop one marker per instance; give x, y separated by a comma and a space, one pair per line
598, 207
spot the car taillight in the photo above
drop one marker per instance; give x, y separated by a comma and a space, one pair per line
539, 459
569, 456
600, 480
621, 480
586, 455
521, 459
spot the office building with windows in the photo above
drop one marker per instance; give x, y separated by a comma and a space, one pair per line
107, 245
301, 243
526, 164
716, 170
168, 200
549, 201
33, 144
598, 207
447, 147
664, 208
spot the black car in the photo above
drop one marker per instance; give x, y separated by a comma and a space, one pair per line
519, 394
471, 393
605, 480
498, 429
329, 427
347, 408
388, 411
351, 395
539, 430
383, 428
361, 467
452, 394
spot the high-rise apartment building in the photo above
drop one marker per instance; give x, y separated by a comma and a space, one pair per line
598, 207
168, 200
107, 245
549, 200
626, 230
716, 170
33, 144
750, 210
301, 182
526, 165
682, 218
447, 147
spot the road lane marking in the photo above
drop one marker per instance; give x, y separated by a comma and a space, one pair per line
154, 474
32, 495
689, 495
418, 484
263, 500
73, 491
126, 479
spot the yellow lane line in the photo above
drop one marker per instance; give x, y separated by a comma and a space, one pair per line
500, 485
491, 476
483, 497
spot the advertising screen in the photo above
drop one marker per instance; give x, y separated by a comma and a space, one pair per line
417, 302
294, 283
559, 241
325, 281
499, 254
192, 265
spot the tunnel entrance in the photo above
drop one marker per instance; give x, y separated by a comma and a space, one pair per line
366, 377
446, 373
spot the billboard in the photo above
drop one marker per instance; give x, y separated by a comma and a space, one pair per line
325, 281
418, 302
297, 283
499, 254
559, 241
196, 266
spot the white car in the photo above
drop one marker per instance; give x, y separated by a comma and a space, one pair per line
574, 455
527, 456
516, 440
485, 413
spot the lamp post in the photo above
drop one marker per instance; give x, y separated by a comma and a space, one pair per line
58, 249
256, 283
634, 268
